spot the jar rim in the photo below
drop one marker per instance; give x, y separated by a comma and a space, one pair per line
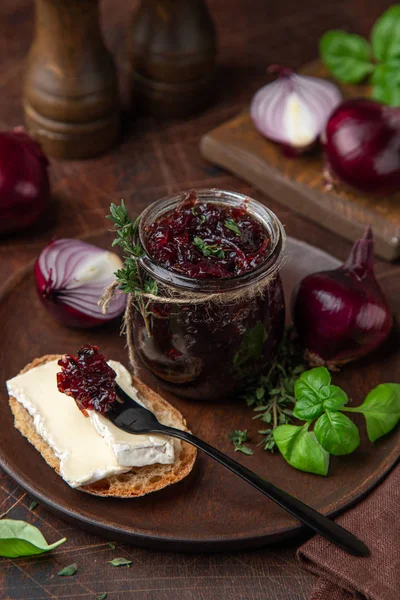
267, 268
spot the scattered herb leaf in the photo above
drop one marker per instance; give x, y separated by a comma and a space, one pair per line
33, 505
120, 562
208, 249
68, 571
112, 546
238, 438
18, 538
102, 596
230, 224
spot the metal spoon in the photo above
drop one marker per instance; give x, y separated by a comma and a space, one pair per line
131, 417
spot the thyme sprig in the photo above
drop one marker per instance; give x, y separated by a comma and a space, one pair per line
132, 279
271, 395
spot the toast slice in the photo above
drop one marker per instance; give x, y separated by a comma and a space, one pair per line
139, 480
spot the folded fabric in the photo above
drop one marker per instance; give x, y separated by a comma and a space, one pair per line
376, 521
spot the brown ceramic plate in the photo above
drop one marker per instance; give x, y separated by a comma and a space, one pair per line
212, 509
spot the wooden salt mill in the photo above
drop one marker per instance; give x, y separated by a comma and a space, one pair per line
70, 88
172, 54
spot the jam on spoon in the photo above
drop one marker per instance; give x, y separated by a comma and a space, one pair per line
207, 240
88, 379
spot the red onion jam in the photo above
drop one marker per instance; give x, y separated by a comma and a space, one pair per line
88, 379
205, 240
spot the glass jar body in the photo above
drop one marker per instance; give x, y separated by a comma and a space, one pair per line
210, 337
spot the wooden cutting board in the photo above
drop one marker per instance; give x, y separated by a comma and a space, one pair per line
299, 184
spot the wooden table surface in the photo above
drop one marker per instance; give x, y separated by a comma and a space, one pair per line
156, 158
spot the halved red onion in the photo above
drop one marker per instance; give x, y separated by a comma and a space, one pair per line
294, 109
71, 277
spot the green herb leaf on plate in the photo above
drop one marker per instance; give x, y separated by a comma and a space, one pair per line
18, 538
346, 55
33, 505
311, 390
68, 571
238, 439
230, 224
301, 449
381, 409
336, 433
385, 35
120, 562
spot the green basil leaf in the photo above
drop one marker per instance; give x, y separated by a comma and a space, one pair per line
337, 398
18, 538
33, 505
102, 596
120, 562
112, 546
68, 571
336, 433
311, 390
385, 35
381, 409
347, 56
386, 83
300, 448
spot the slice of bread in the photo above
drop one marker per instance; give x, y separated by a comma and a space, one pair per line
139, 480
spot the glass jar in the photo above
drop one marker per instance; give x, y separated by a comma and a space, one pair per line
207, 350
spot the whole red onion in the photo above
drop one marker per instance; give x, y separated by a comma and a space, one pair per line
362, 146
341, 315
24, 180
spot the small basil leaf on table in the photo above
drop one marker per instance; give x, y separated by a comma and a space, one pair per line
337, 398
18, 538
102, 596
300, 448
336, 433
385, 35
346, 55
68, 571
120, 562
381, 409
311, 390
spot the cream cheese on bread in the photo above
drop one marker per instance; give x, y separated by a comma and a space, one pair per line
89, 449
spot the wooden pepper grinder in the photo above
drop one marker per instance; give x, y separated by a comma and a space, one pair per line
172, 56
70, 88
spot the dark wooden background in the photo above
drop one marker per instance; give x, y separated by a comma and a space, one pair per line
156, 158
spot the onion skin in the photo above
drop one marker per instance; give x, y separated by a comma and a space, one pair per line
362, 146
24, 181
342, 315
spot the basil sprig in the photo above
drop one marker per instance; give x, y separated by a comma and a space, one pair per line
351, 58
321, 403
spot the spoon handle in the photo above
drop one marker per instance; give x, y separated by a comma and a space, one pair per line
315, 520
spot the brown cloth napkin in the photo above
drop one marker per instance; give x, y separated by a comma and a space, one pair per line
376, 521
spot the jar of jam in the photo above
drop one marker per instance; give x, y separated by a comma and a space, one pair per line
219, 315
